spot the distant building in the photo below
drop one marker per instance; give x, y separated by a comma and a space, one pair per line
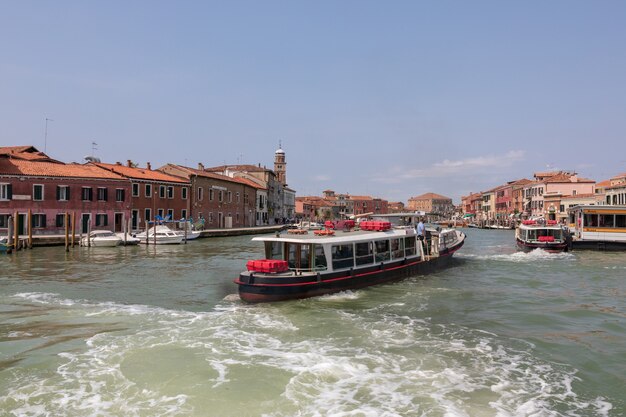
615, 192
542, 197
432, 203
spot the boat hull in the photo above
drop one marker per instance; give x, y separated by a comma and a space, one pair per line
546, 246
603, 245
256, 288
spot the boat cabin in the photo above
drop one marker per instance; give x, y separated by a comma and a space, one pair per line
598, 223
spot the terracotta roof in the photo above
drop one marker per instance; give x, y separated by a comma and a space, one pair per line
141, 173
243, 167
220, 177
603, 184
361, 197
51, 169
622, 175
586, 195
430, 196
27, 152
567, 178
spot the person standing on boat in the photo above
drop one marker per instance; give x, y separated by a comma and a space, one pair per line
419, 229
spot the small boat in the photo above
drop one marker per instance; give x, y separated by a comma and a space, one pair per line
191, 232
161, 235
542, 234
101, 238
301, 266
4, 244
128, 239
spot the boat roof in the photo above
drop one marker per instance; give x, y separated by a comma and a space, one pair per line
587, 207
540, 226
343, 237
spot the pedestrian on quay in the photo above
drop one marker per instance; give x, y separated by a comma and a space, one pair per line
419, 229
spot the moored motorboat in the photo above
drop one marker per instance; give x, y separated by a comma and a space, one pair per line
301, 266
128, 239
546, 235
161, 235
101, 238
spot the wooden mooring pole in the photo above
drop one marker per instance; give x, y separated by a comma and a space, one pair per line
10, 235
67, 231
30, 229
73, 228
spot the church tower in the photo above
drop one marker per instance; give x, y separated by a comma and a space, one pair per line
280, 166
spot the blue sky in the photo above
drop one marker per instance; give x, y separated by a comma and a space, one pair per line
391, 99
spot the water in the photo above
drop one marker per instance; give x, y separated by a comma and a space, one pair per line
160, 332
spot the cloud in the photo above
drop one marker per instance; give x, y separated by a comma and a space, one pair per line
450, 168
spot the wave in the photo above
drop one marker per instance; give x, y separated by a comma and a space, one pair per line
284, 360
537, 255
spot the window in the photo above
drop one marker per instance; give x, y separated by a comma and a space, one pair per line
607, 220
119, 194
63, 192
620, 220
148, 190
200, 190
102, 194
573, 192
184, 193
87, 194
210, 194
342, 256
38, 220
170, 192
382, 250
397, 248
170, 214
220, 196
102, 219
134, 215
320, 259
230, 197
409, 244
183, 213
364, 253
6, 192
160, 212
60, 220
135, 189
162, 191
210, 219
591, 220
238, 198
147, 215
38, 192
4, 220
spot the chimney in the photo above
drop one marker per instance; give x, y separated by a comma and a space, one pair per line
118, 163
200, 166
129, 163
149, 166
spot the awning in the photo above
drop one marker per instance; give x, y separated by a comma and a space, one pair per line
465, 216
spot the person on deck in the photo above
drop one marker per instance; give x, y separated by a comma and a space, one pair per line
419, 229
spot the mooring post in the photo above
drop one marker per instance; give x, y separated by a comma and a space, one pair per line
73, 228
67, 231
30, 229
10, 235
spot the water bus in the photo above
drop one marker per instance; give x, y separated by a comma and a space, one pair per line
598, 227
301, 266
542, 234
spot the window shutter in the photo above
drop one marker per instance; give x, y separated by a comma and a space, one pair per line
106, 195
67, 193
9, 192
58, 192
106, 220
43, 220
90, 194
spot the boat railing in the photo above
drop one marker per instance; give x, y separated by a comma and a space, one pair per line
299, 271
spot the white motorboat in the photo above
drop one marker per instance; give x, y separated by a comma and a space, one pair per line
129, 239
191, 232
101, 238
162, 235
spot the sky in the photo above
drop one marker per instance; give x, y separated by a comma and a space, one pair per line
384, 98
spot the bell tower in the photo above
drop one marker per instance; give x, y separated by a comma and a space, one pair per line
280, 166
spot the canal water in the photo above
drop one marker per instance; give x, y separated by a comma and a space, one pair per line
161, 332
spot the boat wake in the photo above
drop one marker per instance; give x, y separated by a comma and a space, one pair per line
289, 361
536, 255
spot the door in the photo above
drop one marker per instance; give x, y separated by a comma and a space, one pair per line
119, 222
86, 217
21, 224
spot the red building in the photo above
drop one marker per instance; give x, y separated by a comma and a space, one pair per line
153, 193
50, 189
221, 201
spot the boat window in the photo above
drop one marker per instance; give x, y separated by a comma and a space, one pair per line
274, 250
607, 220
343, 256
364, 253
620, 220
299, 256
320, 258
382, 250
409, 244
397, 248
591, 220
532, 235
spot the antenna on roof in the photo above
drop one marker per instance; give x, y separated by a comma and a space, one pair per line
45, 137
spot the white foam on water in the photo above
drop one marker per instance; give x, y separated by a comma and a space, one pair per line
379, 364
537, 255
341, 296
